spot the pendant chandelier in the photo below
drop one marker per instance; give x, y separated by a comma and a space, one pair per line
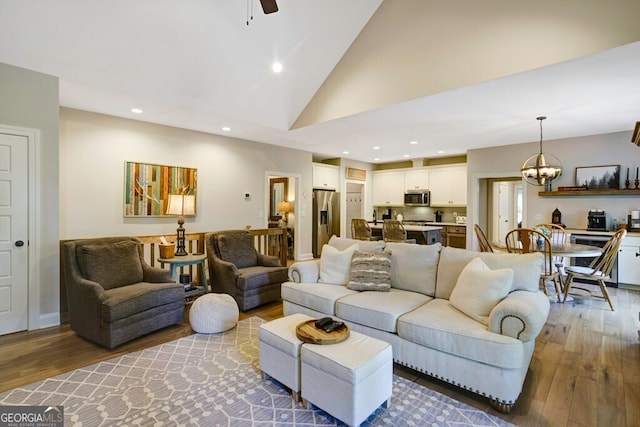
541, 168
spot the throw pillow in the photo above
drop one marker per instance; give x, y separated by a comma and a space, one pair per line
335, 265
343, 243
370, 271
112, 265
479, 289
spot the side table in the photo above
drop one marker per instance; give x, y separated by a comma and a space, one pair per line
186, 260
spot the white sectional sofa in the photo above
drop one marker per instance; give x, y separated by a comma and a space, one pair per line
455, 327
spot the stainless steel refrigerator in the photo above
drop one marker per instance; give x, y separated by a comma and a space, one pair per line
326, 218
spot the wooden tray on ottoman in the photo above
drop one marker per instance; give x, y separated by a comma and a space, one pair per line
307, 332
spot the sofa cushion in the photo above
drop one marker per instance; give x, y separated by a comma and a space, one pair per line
335, 264
379, 310
414, 267
479, 289
257, 276
526, 268
126, 301
111, 265
238, 249
316, 296
370, 271
450, 264
343, 243
437, 324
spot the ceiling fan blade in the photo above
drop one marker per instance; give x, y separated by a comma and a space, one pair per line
269, 6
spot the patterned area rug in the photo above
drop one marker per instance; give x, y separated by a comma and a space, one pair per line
215, 380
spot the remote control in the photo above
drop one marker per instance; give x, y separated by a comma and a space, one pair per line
323, 323
333, 326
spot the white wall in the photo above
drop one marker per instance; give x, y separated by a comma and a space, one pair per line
367, 202
94, 148
593, 150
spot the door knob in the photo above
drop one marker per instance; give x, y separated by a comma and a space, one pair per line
19, 243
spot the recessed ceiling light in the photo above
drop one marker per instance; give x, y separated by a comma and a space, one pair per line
376, 148
440, 151
136, 110
226, 128
405, 155
276, 67
345, 152
413, 142
376, 159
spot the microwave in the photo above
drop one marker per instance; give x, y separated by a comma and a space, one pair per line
417, 198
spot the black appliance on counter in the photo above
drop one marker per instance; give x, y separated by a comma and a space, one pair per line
597, 220
633, 223
386, 213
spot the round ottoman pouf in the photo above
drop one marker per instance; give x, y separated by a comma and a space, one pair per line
213, 313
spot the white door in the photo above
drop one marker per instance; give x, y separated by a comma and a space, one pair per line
13, 233
505, 213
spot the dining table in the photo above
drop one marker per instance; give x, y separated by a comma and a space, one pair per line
569, 250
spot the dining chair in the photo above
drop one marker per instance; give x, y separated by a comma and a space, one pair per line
361, 230
527, 240
558, 238
599, 270
483, 242
394, 231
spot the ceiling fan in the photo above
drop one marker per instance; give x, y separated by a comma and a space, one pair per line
269, 6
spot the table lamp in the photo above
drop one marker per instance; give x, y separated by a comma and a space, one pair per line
181, 204
284, 207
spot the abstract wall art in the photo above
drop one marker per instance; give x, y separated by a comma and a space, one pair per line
147, 187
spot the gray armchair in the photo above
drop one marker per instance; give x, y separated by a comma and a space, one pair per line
237, 269
113, 295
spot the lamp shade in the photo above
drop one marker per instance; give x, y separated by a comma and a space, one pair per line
181, 204
284, 207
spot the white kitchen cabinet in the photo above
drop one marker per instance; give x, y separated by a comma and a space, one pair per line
448, 185
629, 261
388, 188
325, 176
417, 179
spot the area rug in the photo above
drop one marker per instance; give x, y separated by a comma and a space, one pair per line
215, 380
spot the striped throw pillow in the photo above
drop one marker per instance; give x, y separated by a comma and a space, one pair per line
370, 271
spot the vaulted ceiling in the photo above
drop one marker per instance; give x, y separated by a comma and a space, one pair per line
357, 74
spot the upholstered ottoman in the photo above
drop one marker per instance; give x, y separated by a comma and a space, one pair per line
348, 380
280, 351
213, 313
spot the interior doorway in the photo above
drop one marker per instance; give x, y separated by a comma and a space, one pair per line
501, 205
283, 187
354, 204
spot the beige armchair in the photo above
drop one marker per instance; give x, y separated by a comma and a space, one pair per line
237, 269
113, 295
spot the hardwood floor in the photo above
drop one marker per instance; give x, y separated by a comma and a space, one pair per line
585, 370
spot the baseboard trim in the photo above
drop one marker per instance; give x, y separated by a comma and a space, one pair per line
47, 320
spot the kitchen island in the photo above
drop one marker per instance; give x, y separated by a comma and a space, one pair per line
424, 234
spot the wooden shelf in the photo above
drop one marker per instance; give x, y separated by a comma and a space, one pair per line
589, 193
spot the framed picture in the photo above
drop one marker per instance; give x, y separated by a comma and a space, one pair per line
147, 187
598, 177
